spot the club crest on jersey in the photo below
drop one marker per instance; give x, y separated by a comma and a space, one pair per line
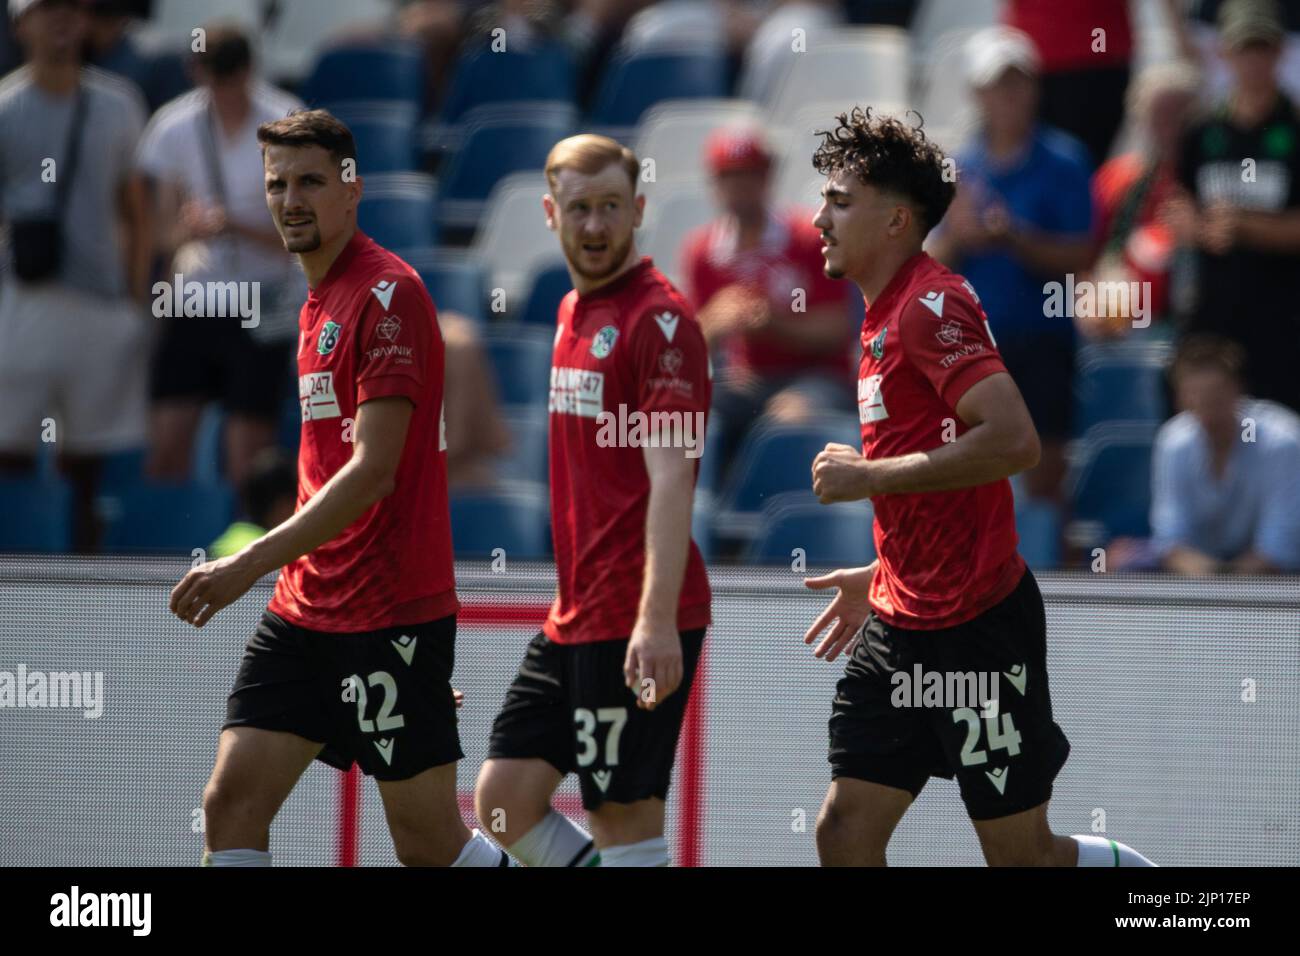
604, 341
329, 337
878, 345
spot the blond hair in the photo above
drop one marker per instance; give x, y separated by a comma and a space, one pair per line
588, 154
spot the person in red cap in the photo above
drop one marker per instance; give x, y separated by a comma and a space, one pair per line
775, 323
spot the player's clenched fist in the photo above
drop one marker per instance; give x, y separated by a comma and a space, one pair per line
840, 473
210, 587
652, 668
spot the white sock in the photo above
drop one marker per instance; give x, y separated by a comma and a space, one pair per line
236, 858
1099, 851
480, 851
556, 841
652, 852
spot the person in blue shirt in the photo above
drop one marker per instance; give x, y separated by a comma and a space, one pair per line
1225, 476
1022, 219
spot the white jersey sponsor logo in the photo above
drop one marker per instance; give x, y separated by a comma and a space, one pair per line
871, 400
576, 391
316, 396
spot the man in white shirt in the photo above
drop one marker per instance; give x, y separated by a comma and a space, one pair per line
201, 153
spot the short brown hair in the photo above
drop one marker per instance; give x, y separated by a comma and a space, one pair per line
303, 128
588, 153
885, 152
226, 50
1203, 350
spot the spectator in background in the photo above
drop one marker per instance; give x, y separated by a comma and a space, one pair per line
110, 46
1240, 167
1022, 218
201, 153
268, 495
1131, 194
1086, 49
1205, 36
754, 277
72, 339
1225, 472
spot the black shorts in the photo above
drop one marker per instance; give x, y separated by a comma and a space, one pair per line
1043, 369
570, 707
1004, 753
204, 359
380, 698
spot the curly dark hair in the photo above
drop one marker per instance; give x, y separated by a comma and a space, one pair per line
885, 152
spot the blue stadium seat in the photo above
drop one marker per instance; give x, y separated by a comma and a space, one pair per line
394, 71
838, 535
1119, 385
1039, 527
549, 286
38, 515
122, 469
497, 142
398, 210
167, 518
702, 534
521, 359
385, 137
777, 458
456, 282
527, 459
1111, 483
207, 462
711, 461
484, 77
633, 84
516, 519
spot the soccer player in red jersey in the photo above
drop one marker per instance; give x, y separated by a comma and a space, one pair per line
943, 428
602, 690
353, 657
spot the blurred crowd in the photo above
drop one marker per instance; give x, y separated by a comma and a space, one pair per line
1084, 159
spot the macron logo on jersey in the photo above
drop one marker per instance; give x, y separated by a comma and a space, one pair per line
667, 324
934, 302
384, 292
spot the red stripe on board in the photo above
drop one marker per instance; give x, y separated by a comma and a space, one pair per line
349, 816
496, 614
690, 813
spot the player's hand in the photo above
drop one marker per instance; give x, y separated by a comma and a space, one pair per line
210, 587
653, 668
1220, 228
459, 697
840, 473
848, 611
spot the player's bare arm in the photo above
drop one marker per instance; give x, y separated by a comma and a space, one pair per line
845, 614
655, 651
367, 477
1001, 441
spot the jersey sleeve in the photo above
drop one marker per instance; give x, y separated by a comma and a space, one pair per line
946, 337
400, 346
670, 362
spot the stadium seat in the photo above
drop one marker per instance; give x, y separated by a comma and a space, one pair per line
455, 279
710, 462
774, 459
521, 360
549, 286
208, 452
674, 25
512, 240
496, 143
301, 28
179, 17
838, 535
398, 210
483, 77
702, 524
945, 99
385, 135
167, 518
872, 68
393, 72
527, 459
514, 518
668, 222
1039, 527
1124, 384
1111, 480
38, 515
632, 84
673, 133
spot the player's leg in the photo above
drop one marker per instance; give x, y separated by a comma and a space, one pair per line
1025, 839
252, 398
530, 751
253, 775
424, 819
625, 754
856, 821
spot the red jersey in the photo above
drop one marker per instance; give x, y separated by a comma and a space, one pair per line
1062, 30
627, 350
945, 556
1148, 249
789, 257
369, 330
